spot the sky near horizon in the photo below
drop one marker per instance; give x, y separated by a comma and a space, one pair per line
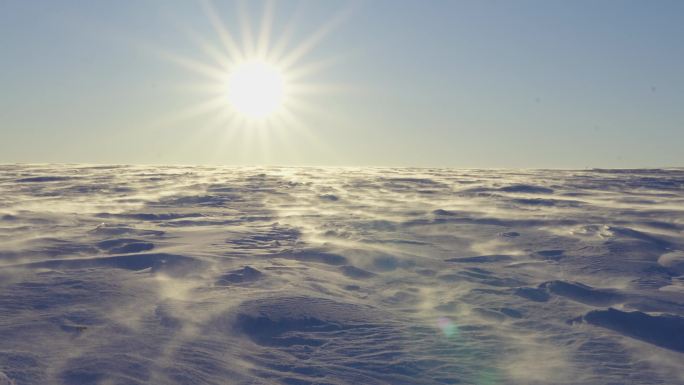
535, 84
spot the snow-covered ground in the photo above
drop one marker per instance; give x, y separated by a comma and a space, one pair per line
201, 275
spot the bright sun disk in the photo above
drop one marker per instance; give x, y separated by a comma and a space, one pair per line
256, 89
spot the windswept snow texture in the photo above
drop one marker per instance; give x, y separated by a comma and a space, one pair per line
196, 275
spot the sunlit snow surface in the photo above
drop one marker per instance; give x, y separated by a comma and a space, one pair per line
197, 275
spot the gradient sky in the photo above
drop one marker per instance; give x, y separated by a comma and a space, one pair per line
540, 84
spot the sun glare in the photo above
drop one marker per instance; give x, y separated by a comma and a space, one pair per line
256, 89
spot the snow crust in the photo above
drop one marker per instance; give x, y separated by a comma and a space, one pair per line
238, 275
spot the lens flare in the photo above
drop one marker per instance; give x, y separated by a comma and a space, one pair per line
447, 326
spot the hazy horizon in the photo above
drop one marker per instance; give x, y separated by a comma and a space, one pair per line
305, 166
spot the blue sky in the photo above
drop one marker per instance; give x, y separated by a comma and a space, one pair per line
542, 84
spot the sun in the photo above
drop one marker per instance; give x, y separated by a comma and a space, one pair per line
259, 90
256, 89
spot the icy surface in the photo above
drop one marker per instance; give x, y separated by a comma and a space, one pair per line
199, 275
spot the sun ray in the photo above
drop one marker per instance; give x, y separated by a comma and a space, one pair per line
262, 142
224, 35
263, 41
221, 58
194, 65
256, 89
209, 106
311, 68
295, 123
225, 125
312, 41
276, 52
213, 88
319, 88
246, 29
